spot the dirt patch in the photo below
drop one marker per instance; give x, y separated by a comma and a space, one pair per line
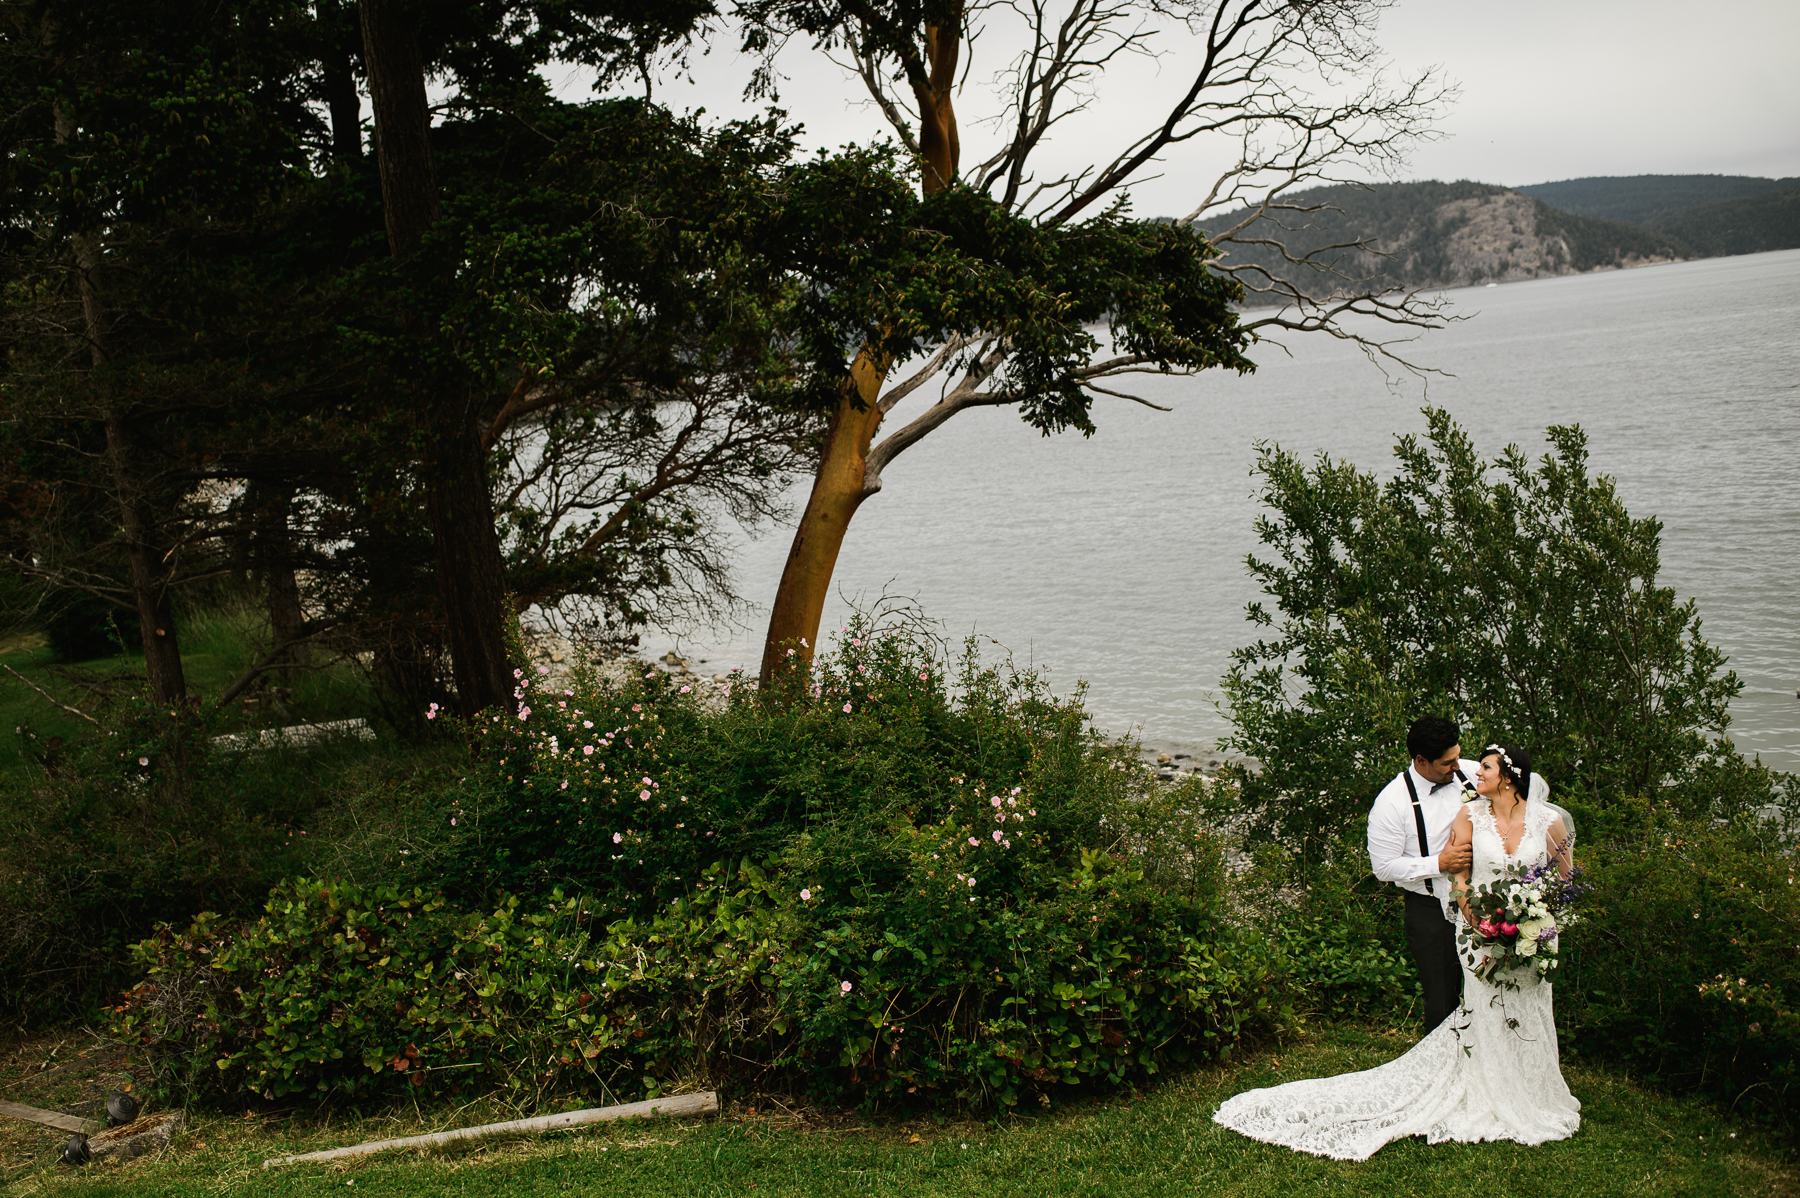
70, 1072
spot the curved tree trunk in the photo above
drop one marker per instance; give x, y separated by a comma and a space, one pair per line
838, 483
836, 494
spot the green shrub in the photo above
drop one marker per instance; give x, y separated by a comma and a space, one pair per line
626, 796
755, 978
147, 823
1340, 933
874, 886
1686, 966
1518, 597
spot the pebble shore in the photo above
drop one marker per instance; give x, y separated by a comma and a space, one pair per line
561, 656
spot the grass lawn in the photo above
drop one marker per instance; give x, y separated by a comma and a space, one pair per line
1632, 1141
216, 648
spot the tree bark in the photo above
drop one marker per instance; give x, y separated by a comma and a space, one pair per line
939, 144
409, 198
345, 107
273, 556
149, 570
837, 489
471, 571
149, 576
837, 492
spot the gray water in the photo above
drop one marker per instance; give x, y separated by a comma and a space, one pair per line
1119, 559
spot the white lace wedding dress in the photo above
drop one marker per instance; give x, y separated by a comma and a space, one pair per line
1488, 1072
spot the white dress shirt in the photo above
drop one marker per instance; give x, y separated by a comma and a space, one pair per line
1394, 835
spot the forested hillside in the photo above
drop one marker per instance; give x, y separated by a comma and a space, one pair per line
1770, 221
1435, 234
1648, 199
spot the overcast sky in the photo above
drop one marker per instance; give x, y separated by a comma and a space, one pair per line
1548, 90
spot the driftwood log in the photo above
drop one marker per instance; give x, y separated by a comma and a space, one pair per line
147, 1133
678, 1106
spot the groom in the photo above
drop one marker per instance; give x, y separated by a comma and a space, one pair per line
1409, 834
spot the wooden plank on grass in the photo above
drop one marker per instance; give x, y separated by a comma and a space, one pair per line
47, 1118
704, 1103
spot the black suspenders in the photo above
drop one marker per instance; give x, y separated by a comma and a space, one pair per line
1419, 816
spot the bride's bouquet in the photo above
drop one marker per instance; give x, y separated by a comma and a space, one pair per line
1518, 920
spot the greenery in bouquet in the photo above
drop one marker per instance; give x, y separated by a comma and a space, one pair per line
1517, 920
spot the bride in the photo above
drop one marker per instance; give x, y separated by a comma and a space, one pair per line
1489, 1071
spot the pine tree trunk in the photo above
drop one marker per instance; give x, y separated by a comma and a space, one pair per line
409, 200
471, 571
345, 107
148, 572
273, 555
149, 579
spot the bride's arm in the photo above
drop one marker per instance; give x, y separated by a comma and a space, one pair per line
1562, 847
1461, 833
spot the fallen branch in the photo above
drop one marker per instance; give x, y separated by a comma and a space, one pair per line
52, 699
706, 1102
271, 661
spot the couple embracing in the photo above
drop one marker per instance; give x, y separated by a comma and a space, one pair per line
1487, 1068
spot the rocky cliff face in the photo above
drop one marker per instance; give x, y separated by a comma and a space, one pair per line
1443, 235
1499, 239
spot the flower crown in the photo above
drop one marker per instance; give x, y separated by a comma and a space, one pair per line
1513, 773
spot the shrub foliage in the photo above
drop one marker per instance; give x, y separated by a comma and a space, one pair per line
878, 888
1520, 599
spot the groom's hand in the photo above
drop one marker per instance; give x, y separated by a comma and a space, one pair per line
1456, 857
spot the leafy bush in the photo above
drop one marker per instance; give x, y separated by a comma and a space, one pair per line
147, 823
877, 887
1340, 934
1340, 967
627, 796
976, 999
1518, 598
1686, 966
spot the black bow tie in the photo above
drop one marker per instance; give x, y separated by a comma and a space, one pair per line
1439, 787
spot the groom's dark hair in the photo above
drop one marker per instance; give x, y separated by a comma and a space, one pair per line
1431, 735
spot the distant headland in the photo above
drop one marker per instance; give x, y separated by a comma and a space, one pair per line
1462, 234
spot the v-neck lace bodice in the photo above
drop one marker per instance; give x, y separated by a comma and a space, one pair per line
1489, 849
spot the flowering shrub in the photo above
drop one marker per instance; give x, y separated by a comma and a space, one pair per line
626, 796
972, 998
354, 990
1686, 965
572, 787
947, 893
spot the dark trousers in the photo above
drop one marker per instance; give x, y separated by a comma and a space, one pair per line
1432, 939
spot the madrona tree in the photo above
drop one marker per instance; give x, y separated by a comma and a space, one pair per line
1276, 94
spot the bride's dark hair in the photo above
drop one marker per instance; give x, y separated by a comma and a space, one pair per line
1515, 766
